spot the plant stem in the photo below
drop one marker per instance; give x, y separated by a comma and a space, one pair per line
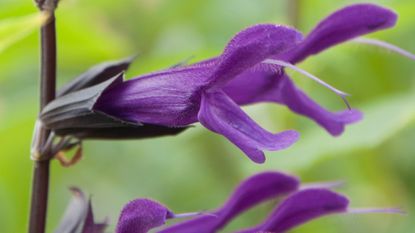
40, 182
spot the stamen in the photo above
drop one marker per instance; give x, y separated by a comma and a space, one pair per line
385, 45
305, 73
376, 210
324, 185
194, 214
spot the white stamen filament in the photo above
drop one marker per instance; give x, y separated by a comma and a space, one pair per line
385, 45
314, 78
375, 210
193, 214
322, 185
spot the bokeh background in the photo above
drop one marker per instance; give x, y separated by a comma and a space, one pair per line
198, 169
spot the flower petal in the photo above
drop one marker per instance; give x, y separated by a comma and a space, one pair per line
251, 192
300, 103
272, 87
260, 84
250, 47
302, 207
169, 98
342, 25
221, 115
142, 215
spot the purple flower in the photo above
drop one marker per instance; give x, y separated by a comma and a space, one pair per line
211, 91
184, 95
298, 207
250, 70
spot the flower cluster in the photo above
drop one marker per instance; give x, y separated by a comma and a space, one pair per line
297, 206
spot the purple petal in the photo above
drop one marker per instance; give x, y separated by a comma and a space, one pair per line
168, 98
251, 192
272, 87
250, 47
221, 115
302, 207
260, 84
300, 103
142, 215
343, 25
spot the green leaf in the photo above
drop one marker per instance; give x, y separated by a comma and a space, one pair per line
15, 29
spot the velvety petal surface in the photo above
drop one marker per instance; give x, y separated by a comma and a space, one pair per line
249, 48
221, 115
169, 98
302, 207
344, 24
249, 193
141, 215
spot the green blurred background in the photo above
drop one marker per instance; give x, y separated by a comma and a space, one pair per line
198, 169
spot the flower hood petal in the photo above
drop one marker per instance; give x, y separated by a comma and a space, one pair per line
344, 24
249, 48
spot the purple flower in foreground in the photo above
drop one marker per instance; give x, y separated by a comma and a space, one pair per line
298, 207
250, 70
181, 96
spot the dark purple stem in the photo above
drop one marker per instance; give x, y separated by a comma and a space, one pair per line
40, 182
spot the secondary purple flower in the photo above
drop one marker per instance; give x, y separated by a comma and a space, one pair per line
142, 215
251, 192
184, 95
261, 84
299, 206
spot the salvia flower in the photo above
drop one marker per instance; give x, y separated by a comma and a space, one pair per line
210, 91
298, 205
250, 70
